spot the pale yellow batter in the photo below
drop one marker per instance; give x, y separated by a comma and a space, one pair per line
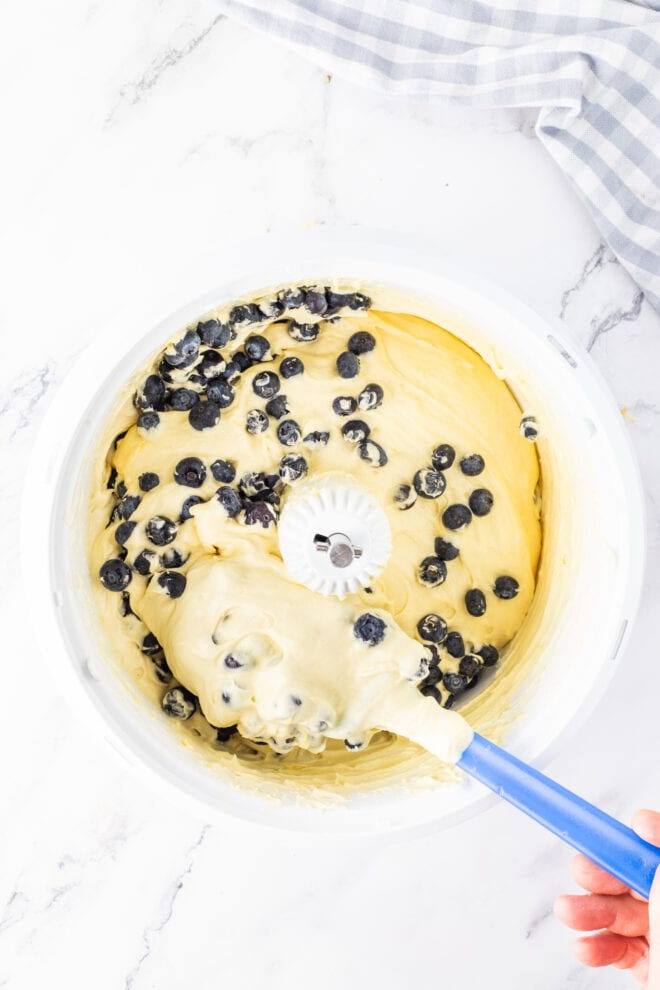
303, 676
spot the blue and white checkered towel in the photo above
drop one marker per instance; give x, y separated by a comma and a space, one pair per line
593, 72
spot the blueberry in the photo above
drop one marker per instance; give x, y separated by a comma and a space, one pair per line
481, 501
278, 407
148, 421
317, 438
429, 483
404, 496
288, 432
256, 347
292, 298
432, 628
303, 332
454, 645
357, 300
204, 415
372, 452
213, 333
361, 343
232, 372
291, 366
150, 645
179, 703
315, 302
220, 392
173, 558
435, 653
184, 352
230, 500
273, 497
256, 421
160, 531
115, 575
445, 550
161, 668
190, 472
429, 690
165, 371
223, 471
144, 560
152, 394
454, 683
355, 430
292, 468
243, 316
472, 465
456, 516
182, 399
528, 428
173, 583
260, 514
232, 662
187, 506
344, 405
469, 666
443, 457
475, 602
370, 397
125, 605
253, 483
112, 478
123, 532
121, 489
432, 678
370, 629
348, 365
224, 734
336, 301
211, 365
432, 571
127, 506
272, 309
506, 587
242, 361
266, 384
489, 655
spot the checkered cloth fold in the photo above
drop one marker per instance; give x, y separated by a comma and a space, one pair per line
593, 72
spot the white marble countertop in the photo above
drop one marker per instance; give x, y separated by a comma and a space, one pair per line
137, 133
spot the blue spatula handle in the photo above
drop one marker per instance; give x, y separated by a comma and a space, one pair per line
601, 838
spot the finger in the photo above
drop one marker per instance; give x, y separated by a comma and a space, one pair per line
640, 970
609, 949
591, 877
622, 914
647, 824
653, 978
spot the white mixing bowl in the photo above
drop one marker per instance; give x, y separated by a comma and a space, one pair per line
593, 550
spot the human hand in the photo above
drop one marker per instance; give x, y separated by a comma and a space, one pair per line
627, 926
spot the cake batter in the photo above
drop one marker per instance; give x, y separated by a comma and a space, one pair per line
224, 423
